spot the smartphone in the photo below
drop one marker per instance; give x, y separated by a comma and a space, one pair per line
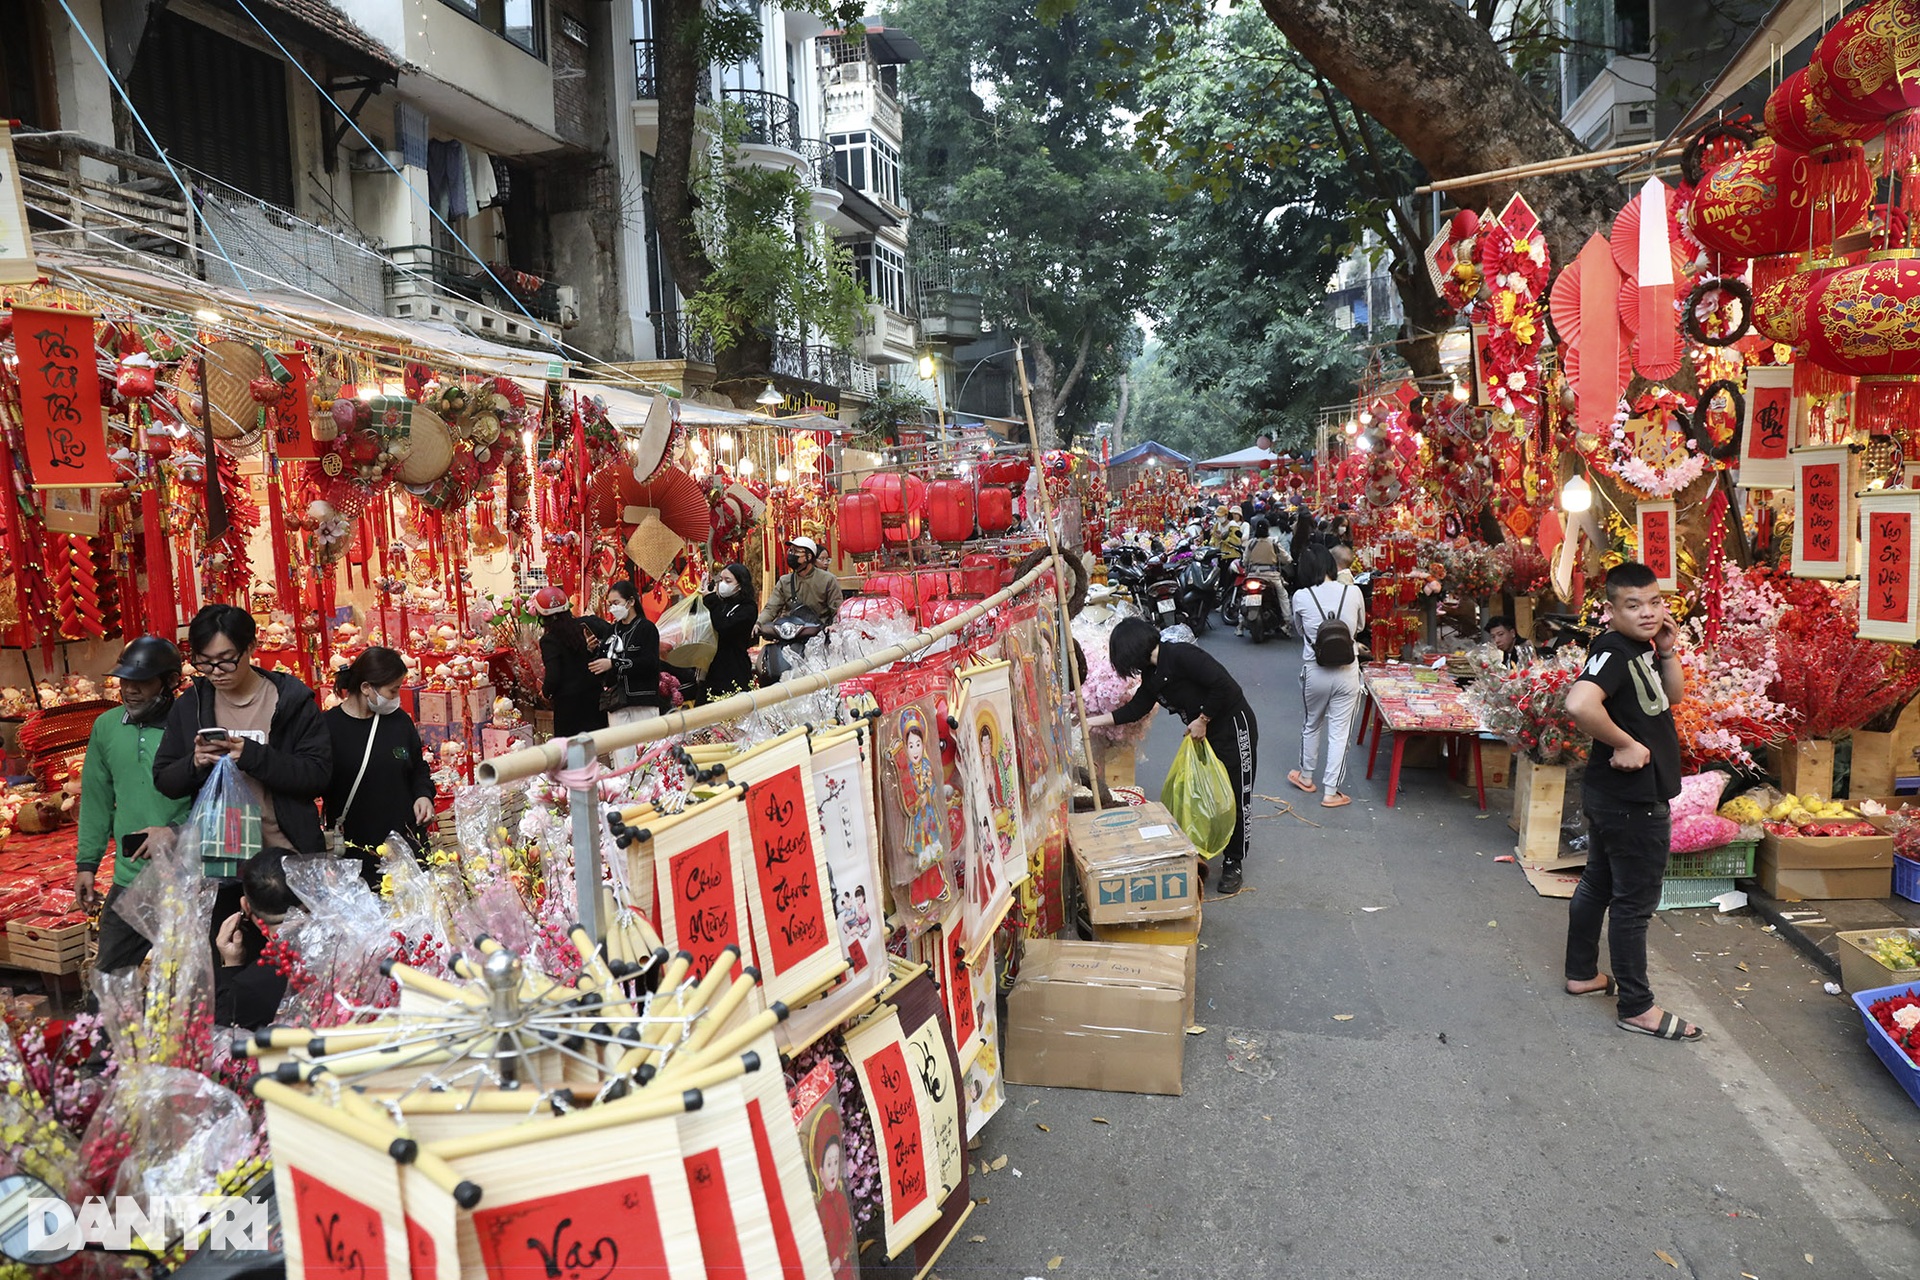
131, 846
214, 734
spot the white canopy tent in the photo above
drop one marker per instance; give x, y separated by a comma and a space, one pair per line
1240, 459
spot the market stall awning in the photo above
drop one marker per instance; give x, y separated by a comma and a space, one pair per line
1146, 450
1240, 459
1789, 24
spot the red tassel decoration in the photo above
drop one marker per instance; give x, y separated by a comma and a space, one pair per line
1809, 379
1889, 407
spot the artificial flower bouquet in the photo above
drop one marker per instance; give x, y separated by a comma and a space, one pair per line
1527, 705
1899, 1017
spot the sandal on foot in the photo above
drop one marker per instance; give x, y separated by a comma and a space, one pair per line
1336, 800
1300, 780
1611, 989
1672, 1027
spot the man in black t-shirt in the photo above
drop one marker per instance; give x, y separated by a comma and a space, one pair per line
1624, 699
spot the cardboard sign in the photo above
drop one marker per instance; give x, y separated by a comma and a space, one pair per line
1824, 537
1889, 570
16, 237
66, 433
1656, 540
1768, 435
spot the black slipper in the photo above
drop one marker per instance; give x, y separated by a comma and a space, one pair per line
1672, 1027
1611, 989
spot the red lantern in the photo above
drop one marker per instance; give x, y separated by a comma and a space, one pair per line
935, 612
1005, 471
902, 500
1865, 320
950, 510
980, 575
859, 523
1760, 204
1864, 69
996, 509
1795, 118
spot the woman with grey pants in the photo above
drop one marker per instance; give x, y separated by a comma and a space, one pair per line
1330, 693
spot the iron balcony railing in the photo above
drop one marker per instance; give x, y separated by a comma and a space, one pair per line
819, 157
772, 119
674, 338
646, 74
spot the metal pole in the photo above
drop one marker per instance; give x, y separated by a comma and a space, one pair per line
583, 804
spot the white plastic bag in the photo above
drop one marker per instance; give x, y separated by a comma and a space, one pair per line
686, 634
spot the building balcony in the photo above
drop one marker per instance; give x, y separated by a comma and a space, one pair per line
674, 338
772, 136
949, 315
494, 301
887, 337
824, 366
646, 94
139, 212
819, 177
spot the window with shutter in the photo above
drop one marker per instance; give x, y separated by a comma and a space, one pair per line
217, 106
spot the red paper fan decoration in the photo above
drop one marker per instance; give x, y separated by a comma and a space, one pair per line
1563, 304
681, 501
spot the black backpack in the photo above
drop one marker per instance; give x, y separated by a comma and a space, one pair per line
1333, 642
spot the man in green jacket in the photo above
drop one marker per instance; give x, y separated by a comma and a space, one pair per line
118, 800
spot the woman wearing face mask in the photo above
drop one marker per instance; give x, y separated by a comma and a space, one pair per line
382, 780
732, 605
629, 663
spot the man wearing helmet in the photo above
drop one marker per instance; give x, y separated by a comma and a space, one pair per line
805, 585
118, 800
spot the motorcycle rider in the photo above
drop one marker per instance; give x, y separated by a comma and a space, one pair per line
804, 585
1265, 557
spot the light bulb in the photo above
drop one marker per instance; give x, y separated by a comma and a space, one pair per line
781, 475
746, 466
1352, 428
1576, 495
1366, 445
726, 444
1459, 390
1366, 418
526, 443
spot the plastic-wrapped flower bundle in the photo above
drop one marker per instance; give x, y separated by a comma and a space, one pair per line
1105, 689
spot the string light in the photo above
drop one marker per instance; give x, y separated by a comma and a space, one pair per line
746, 466
781, 475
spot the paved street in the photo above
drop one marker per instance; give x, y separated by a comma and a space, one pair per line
1469, 1119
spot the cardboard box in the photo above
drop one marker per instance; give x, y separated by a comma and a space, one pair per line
1099, 1015
436, 708
1803, 884
495, 741
1183, 933
1860, 971
1828, 853
1135, 864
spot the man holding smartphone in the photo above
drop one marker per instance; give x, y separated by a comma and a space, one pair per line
267, 721
118, 799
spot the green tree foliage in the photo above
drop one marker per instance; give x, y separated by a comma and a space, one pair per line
1013, 142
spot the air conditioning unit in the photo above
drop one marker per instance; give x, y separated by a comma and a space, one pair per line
367, 160
1632, 122
566, 300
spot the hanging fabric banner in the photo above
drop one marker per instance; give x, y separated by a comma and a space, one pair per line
1769, 433
66, 433
1824, 537
902, 1129
1655, 539
850, 835
696, 861
290, 418
16, 238
1889, 570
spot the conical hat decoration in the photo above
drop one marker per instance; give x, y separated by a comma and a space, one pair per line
231, 369
653, 546
423, 446
654, 453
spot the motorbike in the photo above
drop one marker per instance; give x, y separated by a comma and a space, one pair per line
1257, 602
778, 656
1126, 567
1200, 588
1159, 594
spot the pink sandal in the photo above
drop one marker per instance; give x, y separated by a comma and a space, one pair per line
1336, 800
1299, 780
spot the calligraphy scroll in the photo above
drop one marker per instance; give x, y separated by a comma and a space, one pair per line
988, 721
1769, 433
937, 1092
697, 856
290, 419
783, 1169
843, 793
902, 1129
327, 1229
816, 1113
796, 937
985, 1091
1655, 537
985, 893
16, 238
1824, 537
65, 431
729, 1198
1889, 570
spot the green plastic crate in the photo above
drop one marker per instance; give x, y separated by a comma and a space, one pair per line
1734, 859
1693, 891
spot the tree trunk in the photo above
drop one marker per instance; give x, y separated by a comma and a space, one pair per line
1433, 76
677, 71
1051, 389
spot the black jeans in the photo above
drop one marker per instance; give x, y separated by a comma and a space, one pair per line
1236, 740
1626, 861
121, 945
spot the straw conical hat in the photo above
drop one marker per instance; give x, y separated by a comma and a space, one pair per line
231, 368
429, 448
651, 454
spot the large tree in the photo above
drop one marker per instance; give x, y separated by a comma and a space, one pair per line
1013, 143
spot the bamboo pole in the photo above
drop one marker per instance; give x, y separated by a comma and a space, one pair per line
1059, 578
1543, 168
551, 754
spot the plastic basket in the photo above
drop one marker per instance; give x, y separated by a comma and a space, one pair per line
1906, 878
1889, 1053
1694, 891
1734, 859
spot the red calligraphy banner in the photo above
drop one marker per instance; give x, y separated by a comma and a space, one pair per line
339, 1235
705, 915
713, 1213
1770, 423
610, 1230
1820, 523
901, 1150
1656, 542
291, 418
66, 433
1890, 566
787, 867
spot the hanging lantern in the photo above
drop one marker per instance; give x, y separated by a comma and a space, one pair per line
980, 574
950, 510
996, 509
860, 532
1795, 118
1867, 67
1762, 203
902, 501
1865, 320
1005, 470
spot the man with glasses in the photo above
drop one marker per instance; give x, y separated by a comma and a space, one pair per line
266, 721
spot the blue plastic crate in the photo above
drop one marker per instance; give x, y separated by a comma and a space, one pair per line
1889, 1053
1906, 878
1695, 891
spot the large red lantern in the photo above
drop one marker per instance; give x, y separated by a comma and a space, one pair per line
950, 510
996, 509
1866, 320
1005, 470
1780, 300
980, 574
1760, 204
902, 501
1797, 119
859, 523
1868, 66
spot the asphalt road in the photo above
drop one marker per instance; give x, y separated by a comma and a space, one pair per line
1468, 1118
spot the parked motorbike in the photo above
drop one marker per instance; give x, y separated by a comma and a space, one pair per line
1200, 588
778, 656
1126, 567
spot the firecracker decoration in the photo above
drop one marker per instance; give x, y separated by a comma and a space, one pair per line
69, 561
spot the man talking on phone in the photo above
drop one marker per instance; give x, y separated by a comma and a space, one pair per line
267, 721
118, 800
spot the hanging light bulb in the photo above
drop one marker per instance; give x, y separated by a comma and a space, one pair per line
1352, 428
1459, 390
1365, 444
781, 475
1366, 418
726, 444
746, 466
1576, 495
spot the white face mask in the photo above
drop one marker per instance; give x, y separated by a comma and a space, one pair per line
380, 706
726, 587
618, 612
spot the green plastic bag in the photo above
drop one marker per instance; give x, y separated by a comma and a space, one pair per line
1198, 793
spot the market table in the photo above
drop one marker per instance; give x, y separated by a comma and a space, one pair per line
1410, 702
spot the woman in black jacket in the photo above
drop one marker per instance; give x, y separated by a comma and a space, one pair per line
733, 606
382, 779
1191, 683
566, 647
629, 663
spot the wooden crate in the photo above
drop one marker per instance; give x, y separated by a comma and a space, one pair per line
1804, 767
1872, 770
1539, 800
47, 948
